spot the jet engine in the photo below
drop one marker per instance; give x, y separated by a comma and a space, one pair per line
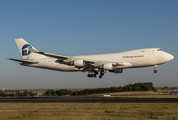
116, 70
79, 63
107, 66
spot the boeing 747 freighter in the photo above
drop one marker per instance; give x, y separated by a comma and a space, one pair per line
94, 64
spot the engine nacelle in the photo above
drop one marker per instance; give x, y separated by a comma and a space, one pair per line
79, 63
116, 70
107, 66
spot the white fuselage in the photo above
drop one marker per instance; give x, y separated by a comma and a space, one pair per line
137, 58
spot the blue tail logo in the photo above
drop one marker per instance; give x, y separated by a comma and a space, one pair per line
25, 50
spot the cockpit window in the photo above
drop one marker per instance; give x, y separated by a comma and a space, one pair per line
159, 50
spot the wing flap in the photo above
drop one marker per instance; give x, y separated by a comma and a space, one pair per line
115, 64
90, 61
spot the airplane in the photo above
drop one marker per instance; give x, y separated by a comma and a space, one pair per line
93, 64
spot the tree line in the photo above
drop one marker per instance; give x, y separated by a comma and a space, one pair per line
63, 92
17, 94
130, 87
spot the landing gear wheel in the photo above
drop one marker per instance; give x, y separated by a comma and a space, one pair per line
102, 74
89, 75
94, 75
155, 71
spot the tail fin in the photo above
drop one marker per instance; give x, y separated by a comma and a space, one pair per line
25, 52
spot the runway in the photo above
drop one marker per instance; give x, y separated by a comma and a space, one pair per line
86, 99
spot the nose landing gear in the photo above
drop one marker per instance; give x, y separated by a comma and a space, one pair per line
155, 71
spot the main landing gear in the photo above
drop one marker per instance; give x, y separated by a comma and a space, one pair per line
101, 75
94, 74
155, 71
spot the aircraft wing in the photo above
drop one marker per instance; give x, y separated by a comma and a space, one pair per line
114, 64
49, 54
88, 63
23, 61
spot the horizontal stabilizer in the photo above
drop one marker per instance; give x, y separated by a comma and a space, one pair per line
23, 61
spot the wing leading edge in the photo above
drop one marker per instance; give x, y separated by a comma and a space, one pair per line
49, 54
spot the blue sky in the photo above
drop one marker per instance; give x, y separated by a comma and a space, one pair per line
87, 27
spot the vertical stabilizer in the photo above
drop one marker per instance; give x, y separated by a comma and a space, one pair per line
25, 52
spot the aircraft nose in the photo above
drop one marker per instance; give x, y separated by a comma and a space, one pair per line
171, 57
168, 57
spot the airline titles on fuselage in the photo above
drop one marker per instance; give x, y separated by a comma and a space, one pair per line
136, 56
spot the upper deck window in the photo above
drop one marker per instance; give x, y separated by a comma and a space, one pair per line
159, 50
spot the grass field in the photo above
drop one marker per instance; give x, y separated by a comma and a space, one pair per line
88, 111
